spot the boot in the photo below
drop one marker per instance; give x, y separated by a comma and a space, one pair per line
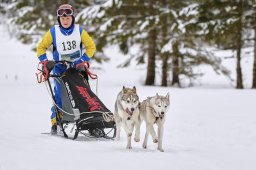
54, 129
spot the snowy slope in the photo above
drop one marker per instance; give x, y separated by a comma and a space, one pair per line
206, 129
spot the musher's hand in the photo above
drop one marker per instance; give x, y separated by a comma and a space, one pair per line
80, 60
49, 65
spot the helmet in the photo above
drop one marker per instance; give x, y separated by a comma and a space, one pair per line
65, 10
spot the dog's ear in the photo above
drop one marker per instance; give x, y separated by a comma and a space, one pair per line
168, 96
134, 89
124, 90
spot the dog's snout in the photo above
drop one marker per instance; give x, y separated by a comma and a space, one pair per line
162, 113
132, 109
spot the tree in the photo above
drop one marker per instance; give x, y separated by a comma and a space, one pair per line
254, 61
221, 17
250, 18
159, 28
126, 23
168, 32
31, 18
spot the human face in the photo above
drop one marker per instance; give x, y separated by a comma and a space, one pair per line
66, 21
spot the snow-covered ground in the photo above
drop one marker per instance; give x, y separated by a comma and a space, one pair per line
206, 128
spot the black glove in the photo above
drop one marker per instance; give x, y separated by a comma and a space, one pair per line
49, 65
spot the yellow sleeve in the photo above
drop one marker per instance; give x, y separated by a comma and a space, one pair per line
45, 43
88, 43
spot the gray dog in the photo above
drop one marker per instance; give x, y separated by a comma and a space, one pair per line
127, 114
153, 111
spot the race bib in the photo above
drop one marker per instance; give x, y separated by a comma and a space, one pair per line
68, 46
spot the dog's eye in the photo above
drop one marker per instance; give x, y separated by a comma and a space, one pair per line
165, 106
159, 106
128, 101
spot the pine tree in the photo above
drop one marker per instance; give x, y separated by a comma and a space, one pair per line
31, 18
126, 23
226, 22
182, 43
254, 61
250, 22
157, 28
164, 30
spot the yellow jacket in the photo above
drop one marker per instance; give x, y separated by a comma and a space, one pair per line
50, 39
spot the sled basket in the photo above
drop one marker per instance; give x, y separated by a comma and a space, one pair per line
80, 105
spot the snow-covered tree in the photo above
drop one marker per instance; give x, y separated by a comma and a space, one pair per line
225, 22
172, 36
250, 28
30, 19
162, 31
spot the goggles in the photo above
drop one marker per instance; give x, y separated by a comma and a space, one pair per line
64, 11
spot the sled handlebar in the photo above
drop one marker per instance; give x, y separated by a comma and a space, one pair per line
64, 62
44, 73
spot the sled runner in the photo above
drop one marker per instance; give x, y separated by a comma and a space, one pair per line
81, 109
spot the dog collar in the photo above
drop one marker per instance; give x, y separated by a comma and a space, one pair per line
157, 116
161, 117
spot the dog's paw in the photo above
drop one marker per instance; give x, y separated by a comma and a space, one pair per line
155, 140
128, 147
160, 149
144, 146
137, 139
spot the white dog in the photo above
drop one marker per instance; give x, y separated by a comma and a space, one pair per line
127, 114
153, 111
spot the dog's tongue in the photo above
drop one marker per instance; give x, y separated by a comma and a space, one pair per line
128, 111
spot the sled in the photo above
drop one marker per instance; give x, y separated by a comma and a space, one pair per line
82, 111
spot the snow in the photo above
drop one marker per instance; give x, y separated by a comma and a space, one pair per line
144, 25
106, 25
190, 10
95, 10
207, 128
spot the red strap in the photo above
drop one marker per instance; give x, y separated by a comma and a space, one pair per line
43, 73
86, 66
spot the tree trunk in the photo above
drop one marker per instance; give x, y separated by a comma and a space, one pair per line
164, 55
239, 80
175, 65
254, 63
164, 69
239, 77
150, 79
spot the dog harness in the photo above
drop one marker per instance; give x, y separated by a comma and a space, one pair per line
157, 116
